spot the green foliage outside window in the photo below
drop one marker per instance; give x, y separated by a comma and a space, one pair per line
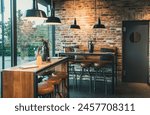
28, 36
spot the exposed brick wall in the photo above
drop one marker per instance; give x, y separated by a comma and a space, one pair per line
111, 12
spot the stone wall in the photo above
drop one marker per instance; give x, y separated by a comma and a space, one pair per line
111, 12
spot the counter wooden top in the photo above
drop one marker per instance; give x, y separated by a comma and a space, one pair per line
87, 53
32, 67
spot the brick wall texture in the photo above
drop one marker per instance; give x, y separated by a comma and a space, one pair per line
111, 13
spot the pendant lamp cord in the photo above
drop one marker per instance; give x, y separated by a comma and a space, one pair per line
95, 10
74, 7
51, 4
52, 9
100, 8
34, 4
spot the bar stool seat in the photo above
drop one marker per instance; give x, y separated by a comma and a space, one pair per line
62, 75
72, 62
101, 63
44, 76
47, 73
56, 81
85, 64
45, 89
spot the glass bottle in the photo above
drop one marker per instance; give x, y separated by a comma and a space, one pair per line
90, 46
45, 51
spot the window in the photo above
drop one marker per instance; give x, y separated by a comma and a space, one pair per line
29, 34
5, 36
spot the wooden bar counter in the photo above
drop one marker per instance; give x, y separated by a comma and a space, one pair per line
22, 81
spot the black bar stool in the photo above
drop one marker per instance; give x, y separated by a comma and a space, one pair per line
72, 64
101, 68
72, 71
85, 70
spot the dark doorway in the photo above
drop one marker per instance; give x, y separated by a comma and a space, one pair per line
135, 51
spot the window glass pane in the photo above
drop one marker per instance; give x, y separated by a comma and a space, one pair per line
0, 45
5, 35
29, 34
0, 37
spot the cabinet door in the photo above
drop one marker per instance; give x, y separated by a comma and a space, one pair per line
135, 51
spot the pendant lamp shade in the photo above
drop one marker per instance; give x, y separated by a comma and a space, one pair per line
75, 26
52, 20
34, 13
99, 25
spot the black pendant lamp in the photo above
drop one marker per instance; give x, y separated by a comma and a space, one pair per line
52, 20
74, 25
35, 13
98, 25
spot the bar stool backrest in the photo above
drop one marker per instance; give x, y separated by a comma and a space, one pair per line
107, 57
68, 49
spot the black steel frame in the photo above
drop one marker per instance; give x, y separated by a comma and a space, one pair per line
114, 63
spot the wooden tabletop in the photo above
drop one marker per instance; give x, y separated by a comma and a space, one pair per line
32, 67
87, 53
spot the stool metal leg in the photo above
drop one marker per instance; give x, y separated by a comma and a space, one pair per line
72, 69
105, 82
95, 79
80, 81
84, 70
90, 81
